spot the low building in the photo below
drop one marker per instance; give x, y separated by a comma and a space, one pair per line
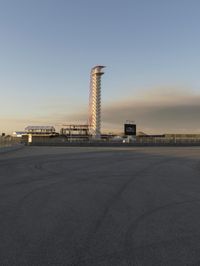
40, 130
19, 134
39, 134
74, 132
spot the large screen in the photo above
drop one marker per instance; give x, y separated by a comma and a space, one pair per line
130, 129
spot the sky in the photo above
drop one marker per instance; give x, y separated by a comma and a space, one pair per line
150, 49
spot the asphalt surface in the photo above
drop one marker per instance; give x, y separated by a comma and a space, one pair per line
100, 206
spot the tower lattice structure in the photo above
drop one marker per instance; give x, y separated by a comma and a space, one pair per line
95, 102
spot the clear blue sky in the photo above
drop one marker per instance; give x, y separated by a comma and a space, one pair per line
47, 48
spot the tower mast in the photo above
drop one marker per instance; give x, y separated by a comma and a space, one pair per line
95, 102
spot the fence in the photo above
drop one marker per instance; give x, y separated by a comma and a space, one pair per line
9, 143
168, 141
138, 141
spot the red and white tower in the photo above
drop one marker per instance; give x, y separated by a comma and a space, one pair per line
95, 102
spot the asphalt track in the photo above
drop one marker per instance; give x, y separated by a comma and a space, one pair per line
100, 206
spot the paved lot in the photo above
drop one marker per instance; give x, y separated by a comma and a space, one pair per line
100, 206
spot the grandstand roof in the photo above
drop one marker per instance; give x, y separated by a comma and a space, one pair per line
39, 128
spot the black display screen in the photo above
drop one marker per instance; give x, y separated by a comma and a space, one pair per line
130, 129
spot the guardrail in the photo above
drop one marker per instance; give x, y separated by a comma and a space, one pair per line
9, 144
8, 141
172, 141
138, 141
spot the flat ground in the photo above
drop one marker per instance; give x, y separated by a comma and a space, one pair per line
100, 206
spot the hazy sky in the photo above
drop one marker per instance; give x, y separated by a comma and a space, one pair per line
150, 48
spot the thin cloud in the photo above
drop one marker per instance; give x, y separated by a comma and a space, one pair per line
160, 110
156, 111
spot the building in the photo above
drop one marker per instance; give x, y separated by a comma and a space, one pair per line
19, 134
40, 130
95, 102
75, 132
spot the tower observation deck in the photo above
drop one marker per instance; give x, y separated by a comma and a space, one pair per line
95, 102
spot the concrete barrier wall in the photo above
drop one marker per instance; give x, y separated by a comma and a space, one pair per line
109, 144
11, 148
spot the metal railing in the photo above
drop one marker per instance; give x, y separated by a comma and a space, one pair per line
8, 142
168, 140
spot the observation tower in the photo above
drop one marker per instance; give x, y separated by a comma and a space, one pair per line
95, 102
